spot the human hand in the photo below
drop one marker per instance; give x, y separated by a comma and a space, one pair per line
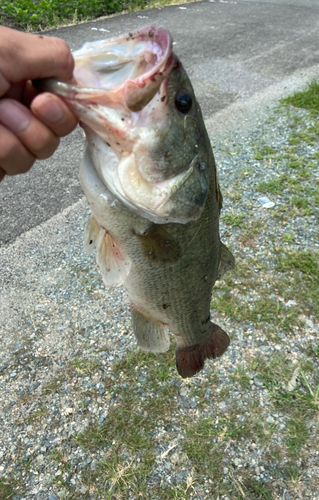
31, 124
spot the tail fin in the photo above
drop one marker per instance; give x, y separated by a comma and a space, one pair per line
190, 360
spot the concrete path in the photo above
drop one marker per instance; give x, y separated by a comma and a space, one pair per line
241, 57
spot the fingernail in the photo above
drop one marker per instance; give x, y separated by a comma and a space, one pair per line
49, 109
13, 116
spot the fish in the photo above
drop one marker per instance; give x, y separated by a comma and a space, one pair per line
150, 178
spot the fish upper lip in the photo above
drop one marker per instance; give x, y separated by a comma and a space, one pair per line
164, 39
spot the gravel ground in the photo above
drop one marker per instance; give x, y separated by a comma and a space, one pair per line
64, 337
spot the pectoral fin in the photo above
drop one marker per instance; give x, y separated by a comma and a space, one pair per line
158, 245
227, 261
151, 335
113, 264
91, 234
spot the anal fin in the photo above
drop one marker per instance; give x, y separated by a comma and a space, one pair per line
151, 334
114, 266
191, 359
227, 261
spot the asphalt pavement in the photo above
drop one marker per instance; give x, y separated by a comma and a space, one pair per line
240, 55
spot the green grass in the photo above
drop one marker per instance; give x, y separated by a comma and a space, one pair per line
263, 307
303, 261
258, 489
33, 15
258, 291
274, 371
87, 366
62, 460
300, 189
299, 401
54, 384
6, 490
233, 219
240, 376
9, 488
37, 414
308, 99
197, 443
27, 15
297, 435
277, 373
296, 182
275, 186
264, 152
313, 349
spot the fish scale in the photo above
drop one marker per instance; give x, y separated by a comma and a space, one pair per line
186, 284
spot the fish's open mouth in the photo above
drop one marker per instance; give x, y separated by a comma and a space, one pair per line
125, 71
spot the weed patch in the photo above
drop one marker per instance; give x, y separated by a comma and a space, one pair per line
37, 414
8, 488
233, 219
308, 99
264, 152
31, 15
258, 489
27, 15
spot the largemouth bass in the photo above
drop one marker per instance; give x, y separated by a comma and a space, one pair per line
150, 178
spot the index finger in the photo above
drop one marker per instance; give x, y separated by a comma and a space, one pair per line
24, 56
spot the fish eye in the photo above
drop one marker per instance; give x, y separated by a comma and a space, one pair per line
183, 101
